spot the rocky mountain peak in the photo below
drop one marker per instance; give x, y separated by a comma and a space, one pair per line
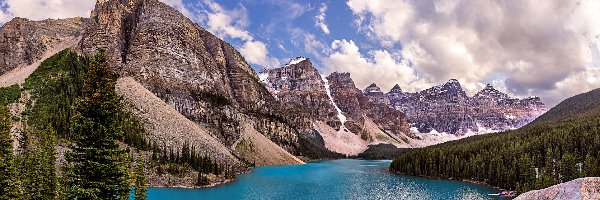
375, 95
489, 92
373, 89
341, 81
449, 90
298, 74
453, 84
396, 89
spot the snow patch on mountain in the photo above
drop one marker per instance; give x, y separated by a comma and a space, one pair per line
264, 78
340, 115
295, 61
434, 137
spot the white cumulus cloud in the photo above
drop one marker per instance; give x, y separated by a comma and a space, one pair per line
320, 19
256, 52
44, 9
379, 66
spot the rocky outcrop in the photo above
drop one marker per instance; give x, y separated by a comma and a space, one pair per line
447, 108
23, 42
203, 77
581, 189
18, 74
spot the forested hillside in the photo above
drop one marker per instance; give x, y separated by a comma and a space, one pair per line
561, 145
584, 105
69, 104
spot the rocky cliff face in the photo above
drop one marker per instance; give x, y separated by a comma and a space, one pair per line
23, 42
203, 77
447, 108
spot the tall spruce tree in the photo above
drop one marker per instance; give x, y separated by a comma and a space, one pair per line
99, 166
9, 181
141, 192
38, 165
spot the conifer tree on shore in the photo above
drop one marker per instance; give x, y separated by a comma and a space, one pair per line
99, 166
9, 182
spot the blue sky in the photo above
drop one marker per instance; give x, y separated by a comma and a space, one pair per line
523, 47
281, 25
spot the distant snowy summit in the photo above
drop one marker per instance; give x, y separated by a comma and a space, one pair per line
447, 108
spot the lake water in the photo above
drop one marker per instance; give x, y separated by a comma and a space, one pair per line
332, 179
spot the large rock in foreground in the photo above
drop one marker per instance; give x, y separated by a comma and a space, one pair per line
583, 188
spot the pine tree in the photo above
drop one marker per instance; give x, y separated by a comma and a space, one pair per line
568, 167
141, 192
9, 181
38, 166
591, 166
202, 180
99, 166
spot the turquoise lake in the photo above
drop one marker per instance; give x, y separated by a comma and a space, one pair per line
332, 179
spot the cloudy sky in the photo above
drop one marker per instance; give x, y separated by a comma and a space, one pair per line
523, 47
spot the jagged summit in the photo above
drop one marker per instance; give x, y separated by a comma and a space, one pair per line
375, 95
372, 89
489, 92
396, 89
451, 89
298, 74
453, 83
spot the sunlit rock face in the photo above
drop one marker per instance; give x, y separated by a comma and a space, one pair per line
447, 108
